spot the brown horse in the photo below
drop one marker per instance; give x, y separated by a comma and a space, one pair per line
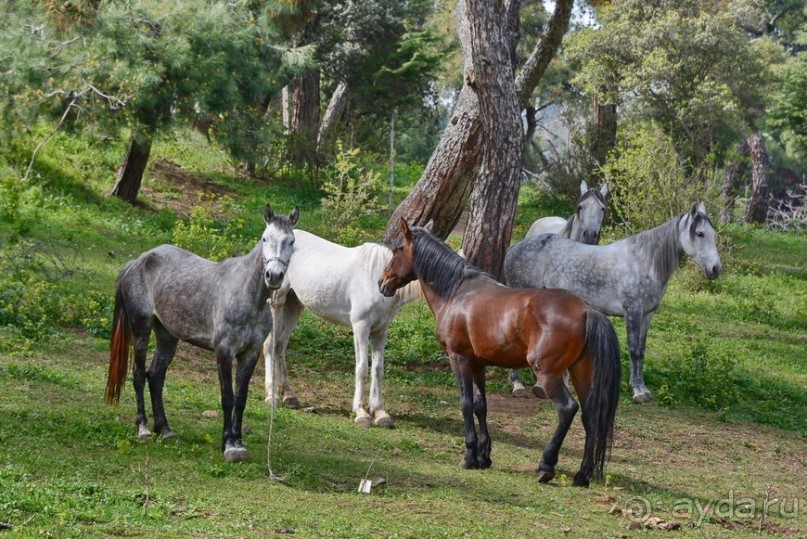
480, 322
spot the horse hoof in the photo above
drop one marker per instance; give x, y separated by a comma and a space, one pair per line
143, 432
383, 419
168, 434
643, 398
539, 392
292, 403
545, 476
484, 462
235, 454
273, 401
469, 464
521, 392
580, 481
364, 421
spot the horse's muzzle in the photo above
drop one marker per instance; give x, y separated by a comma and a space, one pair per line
385, 289
274, 279
713, 272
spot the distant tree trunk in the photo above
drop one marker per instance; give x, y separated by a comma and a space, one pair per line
304, 117
732, 176
498, 173
603, 138
130, 174
332, 116
757, 209
442, 193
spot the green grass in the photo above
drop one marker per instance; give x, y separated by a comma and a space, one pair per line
725, 359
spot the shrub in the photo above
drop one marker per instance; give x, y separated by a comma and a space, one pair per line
650, 183
351, 192
203, 235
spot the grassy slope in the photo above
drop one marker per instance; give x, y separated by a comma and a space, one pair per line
71, 466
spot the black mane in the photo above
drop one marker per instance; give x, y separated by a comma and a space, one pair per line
440, 267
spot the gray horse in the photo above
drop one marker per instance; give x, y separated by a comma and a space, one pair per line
217, 306
627, 278
584, 224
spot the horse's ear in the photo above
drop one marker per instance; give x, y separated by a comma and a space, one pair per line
604, 190
693, 211
268, 213
406, 231
294, 216
702, 208
583, 187
429, 226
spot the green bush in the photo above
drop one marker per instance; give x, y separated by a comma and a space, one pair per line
351, 190
649, 183
203, 235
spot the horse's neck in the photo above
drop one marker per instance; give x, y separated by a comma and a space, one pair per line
254, 286
660, 248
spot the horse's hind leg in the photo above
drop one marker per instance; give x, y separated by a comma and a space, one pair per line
380, 416
636, 325
140, 344
582, 375
166, 348
567, 408
518, 386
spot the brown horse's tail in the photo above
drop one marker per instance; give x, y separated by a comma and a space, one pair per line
119, 346
599, 409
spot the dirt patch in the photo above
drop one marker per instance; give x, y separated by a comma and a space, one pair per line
182, 190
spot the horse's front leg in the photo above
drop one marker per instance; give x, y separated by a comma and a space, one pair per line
484, 445
380, 416
292, 309
246, 366
633, 324
224, 365
361, 336
464, 375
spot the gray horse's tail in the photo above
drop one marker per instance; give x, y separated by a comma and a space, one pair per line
599, 410
119, 346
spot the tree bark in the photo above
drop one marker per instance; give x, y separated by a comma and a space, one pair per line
130, 174
732, 177
603, 137
304, 117
332, 116
495, 194
756, 211
442, 192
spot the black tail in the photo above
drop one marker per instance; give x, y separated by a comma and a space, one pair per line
599, 410
119, 346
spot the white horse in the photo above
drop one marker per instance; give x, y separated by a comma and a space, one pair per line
584, 224
339, 284
627, 278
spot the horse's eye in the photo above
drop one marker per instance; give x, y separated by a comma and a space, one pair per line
580, 207
699, 234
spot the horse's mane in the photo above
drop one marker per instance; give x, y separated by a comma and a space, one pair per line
374, 258
439, 266
660, 247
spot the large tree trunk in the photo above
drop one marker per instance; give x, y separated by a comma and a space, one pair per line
332, 116
304, 117
603, 137
130, 174
732, 176
495, 194
442, 193
757, 209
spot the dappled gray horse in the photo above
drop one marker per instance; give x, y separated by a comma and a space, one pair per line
627, 278
584, 224
217, 306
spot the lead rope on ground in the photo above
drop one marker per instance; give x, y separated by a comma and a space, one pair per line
269, 471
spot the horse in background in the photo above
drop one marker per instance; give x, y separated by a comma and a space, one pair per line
216, 306
584, 224
627, 278
480, 322
338, 284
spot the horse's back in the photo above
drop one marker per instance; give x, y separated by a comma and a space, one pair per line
544, 225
